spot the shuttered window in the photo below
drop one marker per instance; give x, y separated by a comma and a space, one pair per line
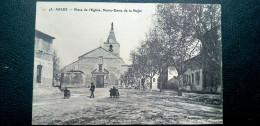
39, 73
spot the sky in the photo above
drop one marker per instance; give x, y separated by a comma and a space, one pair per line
78, 32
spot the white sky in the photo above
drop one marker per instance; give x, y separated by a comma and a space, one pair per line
77, 32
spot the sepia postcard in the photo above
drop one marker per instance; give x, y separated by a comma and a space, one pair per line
98, 63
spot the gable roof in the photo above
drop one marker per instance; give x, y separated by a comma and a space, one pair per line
44, 36
74, 71
97, 72
103, 50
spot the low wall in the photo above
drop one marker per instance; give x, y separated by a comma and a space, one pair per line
72, 79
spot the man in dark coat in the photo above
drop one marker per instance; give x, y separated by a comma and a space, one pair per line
111, 92
92, 88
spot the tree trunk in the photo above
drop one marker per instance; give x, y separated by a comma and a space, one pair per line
179, 72
151, 82
160, 86
160, 82
143, 83
180, 85
163, 77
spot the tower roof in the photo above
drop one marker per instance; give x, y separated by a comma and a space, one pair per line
111, 38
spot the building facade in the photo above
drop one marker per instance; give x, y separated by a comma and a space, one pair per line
102, 66
43, 64
193, 79
202, 75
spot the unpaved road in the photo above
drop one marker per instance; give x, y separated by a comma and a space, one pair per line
133, 107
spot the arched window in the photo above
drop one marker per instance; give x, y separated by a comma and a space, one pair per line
39, 73
111, 48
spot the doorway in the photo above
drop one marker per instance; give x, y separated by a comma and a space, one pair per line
100, 81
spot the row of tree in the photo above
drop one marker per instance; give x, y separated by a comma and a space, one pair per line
180, 31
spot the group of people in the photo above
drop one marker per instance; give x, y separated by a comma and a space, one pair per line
113, 92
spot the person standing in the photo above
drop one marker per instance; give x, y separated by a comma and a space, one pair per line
92, 88
65, 92
143, 81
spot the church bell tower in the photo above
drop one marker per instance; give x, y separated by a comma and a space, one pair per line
111, 44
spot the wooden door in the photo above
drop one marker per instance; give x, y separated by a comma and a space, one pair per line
100, 81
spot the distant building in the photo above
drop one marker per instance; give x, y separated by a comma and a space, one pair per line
155, 82
170, 73
43, 64
103, 65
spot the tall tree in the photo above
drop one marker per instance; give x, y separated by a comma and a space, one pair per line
192, 22
155, 53
56, 68
180, 30
185, 25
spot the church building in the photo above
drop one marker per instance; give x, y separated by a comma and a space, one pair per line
103, 66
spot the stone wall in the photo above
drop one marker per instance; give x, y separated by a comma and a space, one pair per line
43, 49
89, 64
116, 48
99, 52
196, 80
206, 81
46, 75
212, 81
72, 66
72, 79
